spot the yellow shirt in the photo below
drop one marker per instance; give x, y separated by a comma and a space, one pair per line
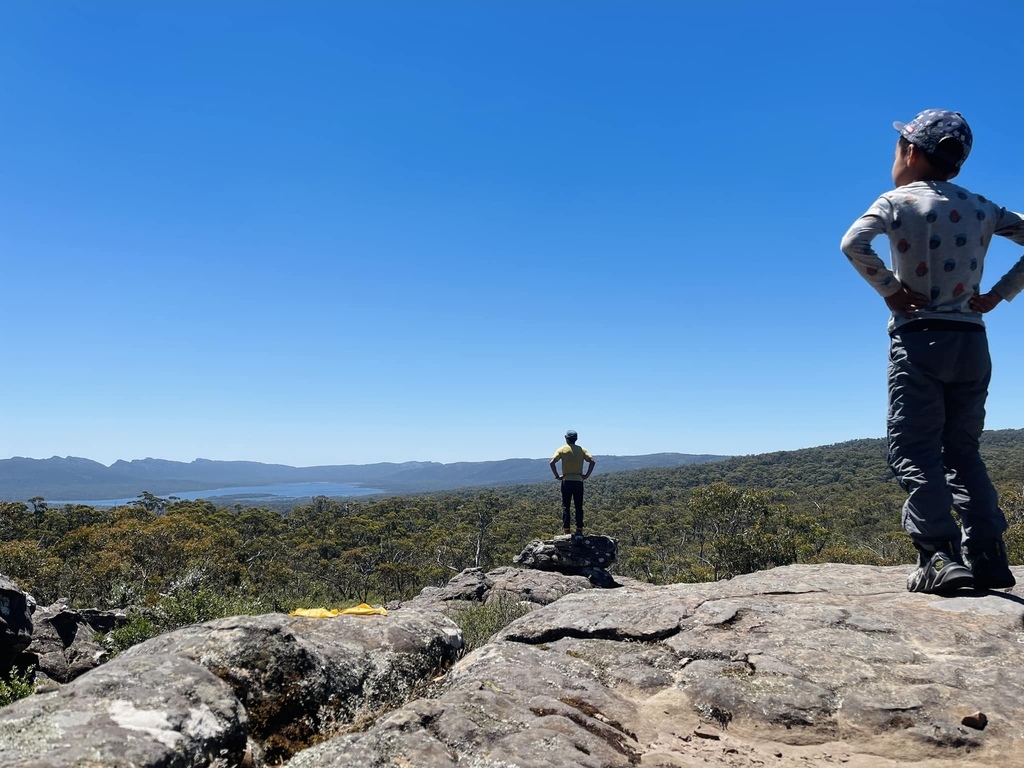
572, 457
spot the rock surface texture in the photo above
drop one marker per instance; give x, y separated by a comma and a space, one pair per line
63, 645
244, 690
147, 711
806, 666
473, 587
796, 666
589, 556
16, 610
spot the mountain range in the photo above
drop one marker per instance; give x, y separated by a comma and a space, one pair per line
83, 479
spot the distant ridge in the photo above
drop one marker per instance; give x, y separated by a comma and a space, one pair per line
84, 479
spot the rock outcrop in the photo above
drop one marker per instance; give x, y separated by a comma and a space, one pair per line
63, 641
797, 666
589, 556
250, 689
474, 587
16, 610
144, 712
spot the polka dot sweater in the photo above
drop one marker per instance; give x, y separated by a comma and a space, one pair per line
938, 236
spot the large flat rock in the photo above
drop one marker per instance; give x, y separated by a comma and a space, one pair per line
796, 666
299, 678
128, 713
246, 688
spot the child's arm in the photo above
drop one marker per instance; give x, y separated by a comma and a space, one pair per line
856, 245
1011, 283
1011, 225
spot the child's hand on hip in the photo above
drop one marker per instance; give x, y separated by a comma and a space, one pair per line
905, 302
985, 302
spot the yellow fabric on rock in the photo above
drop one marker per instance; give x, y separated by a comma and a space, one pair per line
315, 613
365, 610
329, 613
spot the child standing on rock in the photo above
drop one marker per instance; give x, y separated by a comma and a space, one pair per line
939, 365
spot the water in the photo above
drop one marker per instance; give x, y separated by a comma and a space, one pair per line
246, 493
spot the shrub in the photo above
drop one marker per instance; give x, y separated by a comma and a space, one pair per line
479, 623
17, 686
1014, 538
138, 629
184, 608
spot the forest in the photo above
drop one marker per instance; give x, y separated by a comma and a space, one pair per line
176, 562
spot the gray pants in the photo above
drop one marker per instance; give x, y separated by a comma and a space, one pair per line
938, 383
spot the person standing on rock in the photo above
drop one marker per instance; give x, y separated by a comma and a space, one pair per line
572, 457
939, 365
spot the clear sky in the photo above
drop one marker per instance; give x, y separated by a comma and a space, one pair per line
342, 232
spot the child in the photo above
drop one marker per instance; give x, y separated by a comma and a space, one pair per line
939, 366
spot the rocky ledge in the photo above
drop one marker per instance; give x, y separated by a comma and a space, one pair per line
796, 666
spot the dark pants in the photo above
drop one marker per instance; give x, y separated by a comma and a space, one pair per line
572, 490
938, 384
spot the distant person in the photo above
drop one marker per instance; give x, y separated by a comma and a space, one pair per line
572, 457
939, 365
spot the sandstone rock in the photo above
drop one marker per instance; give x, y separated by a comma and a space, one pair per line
470, 584
103, 621
565, 555
63, 645
302, 678
540, 588
473, 587
797, 666
144, 711
248, 690
16, 609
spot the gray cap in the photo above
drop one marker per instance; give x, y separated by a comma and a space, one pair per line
941, 133
570, 434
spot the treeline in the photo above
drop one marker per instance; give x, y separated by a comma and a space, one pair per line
693, 523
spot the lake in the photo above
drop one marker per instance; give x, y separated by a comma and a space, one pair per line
247, 493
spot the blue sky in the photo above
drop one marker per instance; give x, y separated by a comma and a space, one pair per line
328, 233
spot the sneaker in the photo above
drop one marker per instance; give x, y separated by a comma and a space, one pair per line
578, 536
939, 574
991, 567
566, 531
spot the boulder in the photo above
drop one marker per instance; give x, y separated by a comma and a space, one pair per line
536, 587
300, 679
473, 587
16, 608
470, 584
796, 666
246, 690
588, 556
144, 711
63, 641
566, 554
